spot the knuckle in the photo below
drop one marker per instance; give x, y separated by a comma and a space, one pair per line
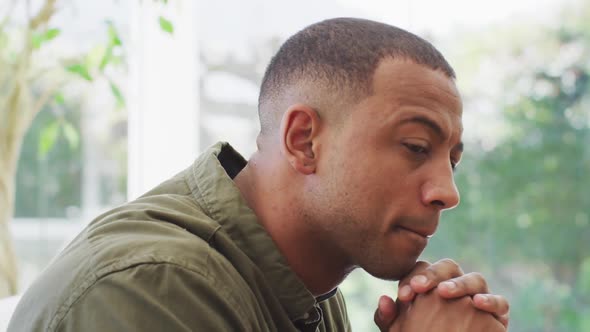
419, 268
433, 273
449, 265
477, 275
450, 262
465, 301
430, 296
462, 283
504, 303
493, 302
479, 278
443, 270
421, 263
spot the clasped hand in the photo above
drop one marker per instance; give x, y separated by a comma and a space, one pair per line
440, 297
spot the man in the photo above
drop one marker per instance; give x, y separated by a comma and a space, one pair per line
360, 133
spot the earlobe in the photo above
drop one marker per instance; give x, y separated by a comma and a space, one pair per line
299, 129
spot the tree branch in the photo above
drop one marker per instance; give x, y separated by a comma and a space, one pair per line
43, 15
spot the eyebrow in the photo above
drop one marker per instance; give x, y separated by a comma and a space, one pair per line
432, 125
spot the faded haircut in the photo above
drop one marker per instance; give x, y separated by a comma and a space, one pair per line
338, 57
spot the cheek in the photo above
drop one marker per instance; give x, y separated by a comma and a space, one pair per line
366, 195
366, 177
392, 191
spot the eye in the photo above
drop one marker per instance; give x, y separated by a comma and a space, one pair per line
415, 148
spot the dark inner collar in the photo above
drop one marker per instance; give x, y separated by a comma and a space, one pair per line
231, 160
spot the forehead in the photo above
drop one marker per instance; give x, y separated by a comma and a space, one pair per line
403, 82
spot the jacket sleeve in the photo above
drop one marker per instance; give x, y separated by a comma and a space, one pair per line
157, 297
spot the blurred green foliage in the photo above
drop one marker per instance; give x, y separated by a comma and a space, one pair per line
524, 218
53, 162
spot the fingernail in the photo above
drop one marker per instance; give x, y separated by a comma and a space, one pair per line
483, 298
404, 291
420, 280
449, 285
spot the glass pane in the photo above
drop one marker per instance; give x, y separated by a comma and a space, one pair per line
522, 71
73, 161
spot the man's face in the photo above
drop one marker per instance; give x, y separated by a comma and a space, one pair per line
387, 170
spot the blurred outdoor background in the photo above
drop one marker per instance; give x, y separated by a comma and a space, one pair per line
122, 94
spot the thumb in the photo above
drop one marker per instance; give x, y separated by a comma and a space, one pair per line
385, 314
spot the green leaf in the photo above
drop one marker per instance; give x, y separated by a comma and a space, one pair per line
118, 95
106, 58
166, 25
80, 70
51, 34
59, 98
41, 38
37, 41
114, 38
95, 56
47, 139
117, 60
71, 135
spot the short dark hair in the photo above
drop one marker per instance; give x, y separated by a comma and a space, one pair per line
342, 54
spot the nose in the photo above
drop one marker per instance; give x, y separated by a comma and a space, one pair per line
441, 192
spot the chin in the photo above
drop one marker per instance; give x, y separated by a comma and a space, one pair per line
393, 272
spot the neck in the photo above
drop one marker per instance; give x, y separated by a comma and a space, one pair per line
277, 204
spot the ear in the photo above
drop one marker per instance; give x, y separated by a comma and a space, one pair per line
299, 131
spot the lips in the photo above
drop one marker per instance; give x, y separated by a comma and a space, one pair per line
424, 232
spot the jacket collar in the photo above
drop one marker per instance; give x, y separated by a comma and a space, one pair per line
212, 185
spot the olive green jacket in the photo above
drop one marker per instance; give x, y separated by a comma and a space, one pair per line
189, 255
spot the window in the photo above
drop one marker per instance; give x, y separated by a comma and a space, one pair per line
522, 70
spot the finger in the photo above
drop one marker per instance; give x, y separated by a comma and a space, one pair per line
385, 313
433, 275
401, 306
504, 320
494, 304
468, 284
405, 292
